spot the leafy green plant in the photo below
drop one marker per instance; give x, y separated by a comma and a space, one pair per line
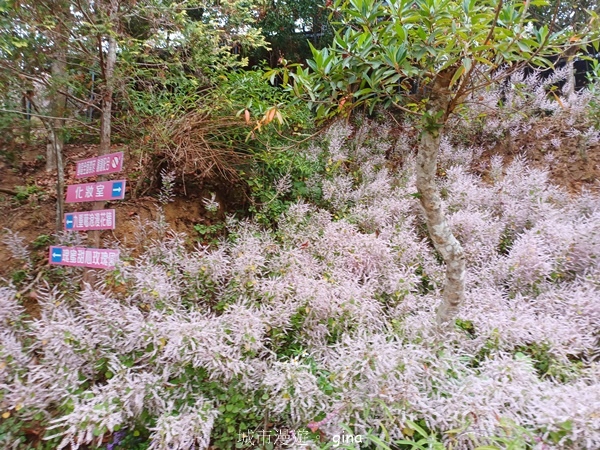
277, 178
25, 192
239, 410
564, 429
425, 286
11, 431
209, 233
507, 239
19, 433
43, 240
593, 77
467, 326
18, 276
136, 438
548, 365
418, 438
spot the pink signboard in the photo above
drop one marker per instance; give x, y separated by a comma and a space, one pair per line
90, 220
100, 165
96, 258
94, 192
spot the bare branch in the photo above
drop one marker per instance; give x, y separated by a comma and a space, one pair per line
42, 116
8, 191
406, 110
493, 27
79, 100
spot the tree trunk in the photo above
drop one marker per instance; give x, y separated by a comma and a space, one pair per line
570, 77
60, 180
54, 154
439, 231
51, 147
26, 105
58, 103
107, 97
108, 71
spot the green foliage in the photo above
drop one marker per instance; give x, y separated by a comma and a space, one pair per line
290, 26
547, 364
172, 93
170, 73
16, 432
422, 57
594, 106
246, 93
10, 428
467, 326
209, 234
239, 410
507, 240
134, 439
168, 54
43, 240
425, 286
12, 126
239, 413
275, 157
418, 436
486, 350
280, 166
18, 276
564, 429
25, 192
284, 342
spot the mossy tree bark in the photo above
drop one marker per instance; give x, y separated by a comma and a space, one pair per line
443, 239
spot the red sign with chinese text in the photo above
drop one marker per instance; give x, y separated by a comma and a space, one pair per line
103, 219
93, 192
95, 258
101, 165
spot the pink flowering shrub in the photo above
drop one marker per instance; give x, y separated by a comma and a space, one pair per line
520, 104
329, 319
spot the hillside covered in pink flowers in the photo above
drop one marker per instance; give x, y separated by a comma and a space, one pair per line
318, 330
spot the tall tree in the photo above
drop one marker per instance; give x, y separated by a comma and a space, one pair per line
108, 62
425, 58
35, 42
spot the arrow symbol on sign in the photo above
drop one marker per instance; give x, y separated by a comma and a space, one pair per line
69, 221
56, 255
118, 189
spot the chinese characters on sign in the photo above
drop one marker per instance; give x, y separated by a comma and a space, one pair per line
90, 220
96, 192
100, 165
96, 258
